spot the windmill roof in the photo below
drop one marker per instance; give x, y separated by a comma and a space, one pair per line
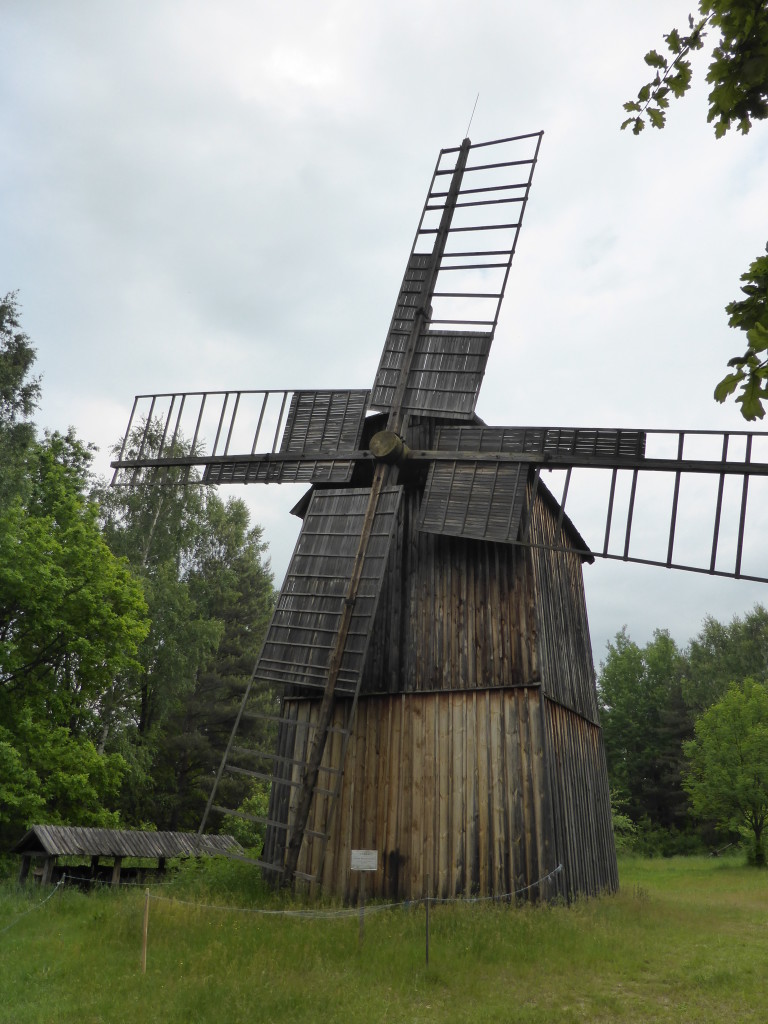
72, 841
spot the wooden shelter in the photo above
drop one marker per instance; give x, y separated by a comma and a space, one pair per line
44, 844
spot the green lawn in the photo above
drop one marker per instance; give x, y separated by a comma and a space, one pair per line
685, 940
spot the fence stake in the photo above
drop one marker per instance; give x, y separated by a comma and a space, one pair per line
361, 900
427, 904
144, 933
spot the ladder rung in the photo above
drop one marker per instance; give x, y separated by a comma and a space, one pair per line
234, 813
280, 782
283, 759
279, 869
283, 720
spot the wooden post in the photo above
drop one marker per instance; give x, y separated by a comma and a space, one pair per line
116, 871
361, 903
25, 869
427, 905
144, 933
48, 864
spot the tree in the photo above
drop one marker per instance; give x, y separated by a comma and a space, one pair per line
71, 614
228, 582
19, 394
728, 773
645, 720
738, 76
71, 617
721, 653
210, 595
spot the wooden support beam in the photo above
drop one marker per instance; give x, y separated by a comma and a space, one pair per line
116, 871
24, 869
48, 865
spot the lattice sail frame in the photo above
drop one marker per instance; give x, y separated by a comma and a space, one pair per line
298, 437
694, 500
461, 305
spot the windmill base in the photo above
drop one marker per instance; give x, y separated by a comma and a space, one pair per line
482, 792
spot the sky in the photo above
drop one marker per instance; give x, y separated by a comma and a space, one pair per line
199, 196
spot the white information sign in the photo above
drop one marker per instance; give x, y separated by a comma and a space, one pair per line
365, 860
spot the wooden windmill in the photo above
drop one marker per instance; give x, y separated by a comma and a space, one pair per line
429, 663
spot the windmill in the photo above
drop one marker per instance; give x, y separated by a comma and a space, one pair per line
428, 667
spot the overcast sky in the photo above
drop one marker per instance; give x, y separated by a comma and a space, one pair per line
223, 195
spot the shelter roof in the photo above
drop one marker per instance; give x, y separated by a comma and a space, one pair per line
72, 841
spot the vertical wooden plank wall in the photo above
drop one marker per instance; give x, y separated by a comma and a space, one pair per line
453, 614
451, 785
582, 833
583, 836
565, 648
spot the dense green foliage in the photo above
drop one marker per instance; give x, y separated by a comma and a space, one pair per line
71, 615
684, 940
645, 721
738, 76
19, 393
728, 774
129, 624
651, 699
210, 596
750, 370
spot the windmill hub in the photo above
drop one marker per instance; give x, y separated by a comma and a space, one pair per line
389, 447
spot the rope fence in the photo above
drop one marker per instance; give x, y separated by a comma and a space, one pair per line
31, 910
324, 915
360, 912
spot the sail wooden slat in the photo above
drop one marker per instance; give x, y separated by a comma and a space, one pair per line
324, 421
474, 499
284, 471
301, 636
609, 444
445, 374
243, 437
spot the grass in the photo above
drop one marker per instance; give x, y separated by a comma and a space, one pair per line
686, 939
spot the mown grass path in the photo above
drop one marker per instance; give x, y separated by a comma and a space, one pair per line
685, 940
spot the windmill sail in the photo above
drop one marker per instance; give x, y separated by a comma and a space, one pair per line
677, 499
455, 278
306, 621
243, 436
